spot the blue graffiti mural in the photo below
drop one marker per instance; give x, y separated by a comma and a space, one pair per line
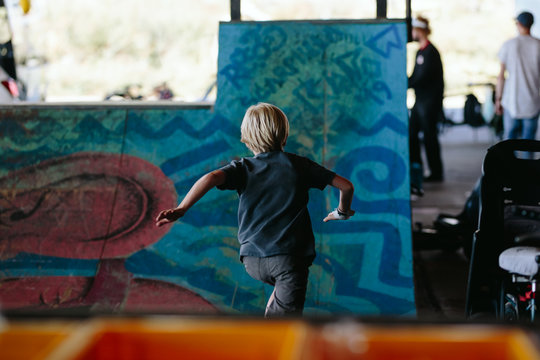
342, 86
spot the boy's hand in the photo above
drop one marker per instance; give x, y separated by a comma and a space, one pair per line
338, 215
169, 216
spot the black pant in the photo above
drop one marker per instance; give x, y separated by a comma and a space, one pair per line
424, 118
289, 276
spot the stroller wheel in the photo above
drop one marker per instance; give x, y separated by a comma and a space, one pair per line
511, 313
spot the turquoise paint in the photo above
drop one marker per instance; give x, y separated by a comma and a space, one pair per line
343, 87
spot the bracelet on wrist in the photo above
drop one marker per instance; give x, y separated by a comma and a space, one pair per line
342, 213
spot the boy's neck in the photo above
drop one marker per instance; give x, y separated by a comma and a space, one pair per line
255, 153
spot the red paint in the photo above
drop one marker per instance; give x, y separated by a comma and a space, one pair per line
42, 292
112, 289
84, 206
153, 295
89, 206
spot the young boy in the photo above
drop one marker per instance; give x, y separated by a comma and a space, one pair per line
277, 245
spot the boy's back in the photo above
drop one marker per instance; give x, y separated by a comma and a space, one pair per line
276, 240
272, 215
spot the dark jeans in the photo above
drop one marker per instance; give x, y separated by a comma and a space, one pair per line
425, 118
289, 276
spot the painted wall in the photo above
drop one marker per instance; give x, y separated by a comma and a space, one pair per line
80, 186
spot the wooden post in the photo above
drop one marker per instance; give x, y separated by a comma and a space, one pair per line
381, 9
235, 10
408, 18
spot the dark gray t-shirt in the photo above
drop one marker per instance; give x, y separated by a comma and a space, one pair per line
273, 188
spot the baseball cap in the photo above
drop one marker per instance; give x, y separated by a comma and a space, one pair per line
526, 19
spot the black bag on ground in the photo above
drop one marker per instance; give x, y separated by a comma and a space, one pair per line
472, 112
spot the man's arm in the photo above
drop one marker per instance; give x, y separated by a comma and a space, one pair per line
415, 77
346, 191
423, 73
197, 191
499, 90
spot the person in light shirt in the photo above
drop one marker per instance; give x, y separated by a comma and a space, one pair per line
517, 96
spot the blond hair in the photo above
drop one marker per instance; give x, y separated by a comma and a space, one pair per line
264, 128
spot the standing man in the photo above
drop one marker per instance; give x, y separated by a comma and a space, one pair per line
518, 97
428, 84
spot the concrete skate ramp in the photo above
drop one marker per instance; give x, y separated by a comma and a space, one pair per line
81, 185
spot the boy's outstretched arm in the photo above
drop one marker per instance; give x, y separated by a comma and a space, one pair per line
346, 191
197, 191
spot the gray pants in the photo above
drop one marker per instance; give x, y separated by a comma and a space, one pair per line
289, 276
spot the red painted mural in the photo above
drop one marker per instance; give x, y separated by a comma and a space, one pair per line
88, 206
112, 289
85, 205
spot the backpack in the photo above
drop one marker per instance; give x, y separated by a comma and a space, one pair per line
472, 112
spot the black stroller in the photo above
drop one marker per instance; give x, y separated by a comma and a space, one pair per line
506, 246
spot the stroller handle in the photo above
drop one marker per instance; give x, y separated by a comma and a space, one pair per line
509, 146
501, 158
532, 239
